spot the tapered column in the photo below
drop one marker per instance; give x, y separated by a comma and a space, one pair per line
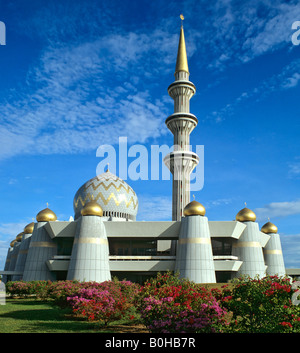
273, 251
194, 257
23, 251
41, 249
89, 259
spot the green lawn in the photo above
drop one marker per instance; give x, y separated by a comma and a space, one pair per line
34, 316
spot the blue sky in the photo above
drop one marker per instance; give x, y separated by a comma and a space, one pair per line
75, 75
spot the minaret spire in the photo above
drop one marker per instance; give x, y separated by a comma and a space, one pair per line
181, 63
181, 161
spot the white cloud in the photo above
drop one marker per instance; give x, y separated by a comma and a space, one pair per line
81, 96
277, 210
294, 169
292, 81
238, 32
286, 79
158, 208
291, 248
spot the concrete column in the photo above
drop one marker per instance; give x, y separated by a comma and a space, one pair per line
22, 256
14, 256
89, 259
273, 256
194, 258
249, 250
41, 249
7, 263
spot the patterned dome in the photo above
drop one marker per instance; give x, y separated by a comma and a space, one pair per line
116, 198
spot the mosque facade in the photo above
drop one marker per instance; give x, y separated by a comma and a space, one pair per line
105, 240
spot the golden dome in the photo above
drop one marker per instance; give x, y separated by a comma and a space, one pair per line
92, 208
12, 243
269, 228
19, 237
246, 215
29, 228
46, 215
194, 208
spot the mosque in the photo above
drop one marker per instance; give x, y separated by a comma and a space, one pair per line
105, 240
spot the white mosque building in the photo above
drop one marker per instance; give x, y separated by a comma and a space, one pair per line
105, 240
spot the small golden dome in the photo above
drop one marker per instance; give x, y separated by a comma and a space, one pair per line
92, 208
246, 215
194, 208
269, 228
12, 243
29, 228
19, 237
46, 215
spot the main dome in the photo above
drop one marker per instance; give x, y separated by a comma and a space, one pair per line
116, 198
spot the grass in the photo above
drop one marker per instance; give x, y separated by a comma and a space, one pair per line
37, 316
34, 316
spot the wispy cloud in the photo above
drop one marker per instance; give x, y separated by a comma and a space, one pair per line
291, 249
294, 169
288, 78
277, 210
237, 32
84, 95
158, 208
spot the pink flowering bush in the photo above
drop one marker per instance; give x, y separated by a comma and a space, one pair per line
98, 305
171, 305
105, 302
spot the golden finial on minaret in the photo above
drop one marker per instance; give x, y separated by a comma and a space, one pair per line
182, 18
181, 62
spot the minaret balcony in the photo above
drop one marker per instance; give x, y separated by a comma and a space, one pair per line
182, 88
179, 121
181, 163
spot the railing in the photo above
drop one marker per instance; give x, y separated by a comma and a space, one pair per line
225, 257
147, 258
140, 258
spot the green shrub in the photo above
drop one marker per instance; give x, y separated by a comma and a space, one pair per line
262, 305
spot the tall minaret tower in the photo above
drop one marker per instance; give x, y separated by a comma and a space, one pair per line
181, 161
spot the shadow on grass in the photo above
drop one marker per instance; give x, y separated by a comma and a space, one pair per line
45, 318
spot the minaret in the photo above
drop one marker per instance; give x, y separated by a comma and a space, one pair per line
181, 161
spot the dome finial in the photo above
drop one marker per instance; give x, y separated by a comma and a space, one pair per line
246, 215
46, 215
194, 208
269, 228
